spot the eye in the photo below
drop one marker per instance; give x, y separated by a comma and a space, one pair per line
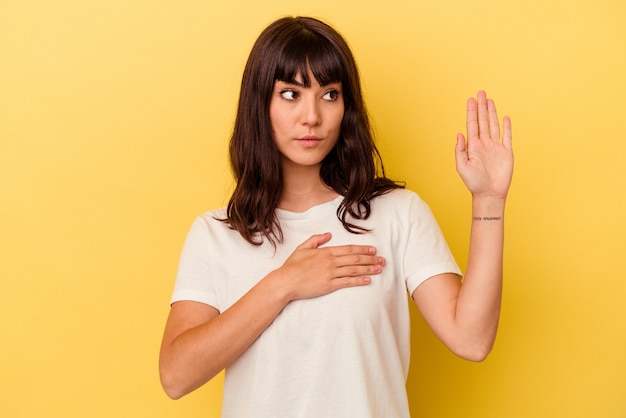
331, 95
289, 94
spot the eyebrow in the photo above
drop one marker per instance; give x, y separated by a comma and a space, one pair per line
293, 82
299, 84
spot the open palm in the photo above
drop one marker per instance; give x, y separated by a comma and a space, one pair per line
484, 161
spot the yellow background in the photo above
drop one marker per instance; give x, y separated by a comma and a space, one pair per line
114, 119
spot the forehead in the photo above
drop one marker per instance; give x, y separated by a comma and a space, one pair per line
312, 81
303, 60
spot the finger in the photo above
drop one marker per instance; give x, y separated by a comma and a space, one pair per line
346, 250
315, 241
483, 117
354, 260
460, 152
507, 138
460, 149
494, 124
472, 119
343, 282
358, 271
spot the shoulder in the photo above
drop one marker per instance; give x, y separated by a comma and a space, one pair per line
210, 223
397, 197
402, 207
212, 216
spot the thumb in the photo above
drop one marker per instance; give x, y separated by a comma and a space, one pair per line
315, 241
460, 144
460, 150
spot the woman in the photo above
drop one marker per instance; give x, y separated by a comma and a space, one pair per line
298, 288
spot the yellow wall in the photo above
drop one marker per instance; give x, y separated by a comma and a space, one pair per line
114, 117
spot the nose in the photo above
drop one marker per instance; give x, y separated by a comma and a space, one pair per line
311, 113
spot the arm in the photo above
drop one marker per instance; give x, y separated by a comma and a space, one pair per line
465, 315
199, 341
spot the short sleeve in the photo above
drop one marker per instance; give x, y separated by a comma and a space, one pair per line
427, 252
193, 280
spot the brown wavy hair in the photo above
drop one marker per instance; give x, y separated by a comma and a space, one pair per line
287, 48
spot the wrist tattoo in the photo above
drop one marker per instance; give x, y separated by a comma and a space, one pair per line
487, 218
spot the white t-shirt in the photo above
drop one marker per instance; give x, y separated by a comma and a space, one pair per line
345, 354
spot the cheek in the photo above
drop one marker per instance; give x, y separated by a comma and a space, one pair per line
340, 115
339, 120
275, 116
275, 123
281, 120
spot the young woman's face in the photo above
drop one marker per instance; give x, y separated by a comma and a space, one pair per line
306, 121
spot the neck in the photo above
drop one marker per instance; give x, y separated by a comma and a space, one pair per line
302, 189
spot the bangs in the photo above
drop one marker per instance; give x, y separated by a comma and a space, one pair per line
306, 50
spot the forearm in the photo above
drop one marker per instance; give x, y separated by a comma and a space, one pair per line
478, 305
199, 341
196, 355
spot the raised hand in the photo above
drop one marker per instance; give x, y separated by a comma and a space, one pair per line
485, 161
312, 271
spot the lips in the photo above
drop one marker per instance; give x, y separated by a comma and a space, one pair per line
309, 140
